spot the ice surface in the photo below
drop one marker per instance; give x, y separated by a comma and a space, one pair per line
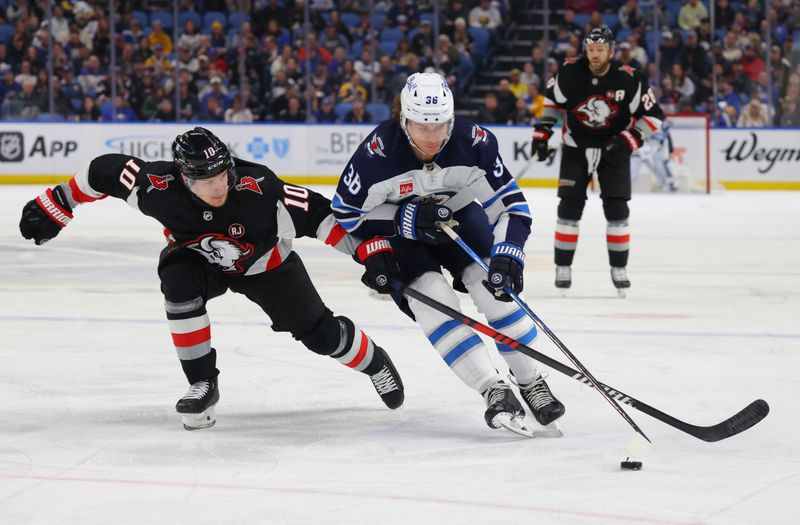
88, 381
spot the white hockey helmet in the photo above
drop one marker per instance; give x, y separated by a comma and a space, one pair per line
427, 99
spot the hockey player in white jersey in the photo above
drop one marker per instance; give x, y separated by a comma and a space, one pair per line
423, 166
655, 153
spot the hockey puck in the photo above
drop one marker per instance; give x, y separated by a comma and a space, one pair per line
630, 465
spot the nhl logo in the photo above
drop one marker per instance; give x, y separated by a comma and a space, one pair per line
11, 147
236, 230
207, 215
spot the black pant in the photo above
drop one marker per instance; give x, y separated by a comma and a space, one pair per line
286, 294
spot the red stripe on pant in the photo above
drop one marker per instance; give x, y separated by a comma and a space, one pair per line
566, 237
337, 234
192, 338
618, 239
362, 351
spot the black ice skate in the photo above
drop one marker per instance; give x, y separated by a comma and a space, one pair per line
619, 276
197, 405
544, 407
563, 277
387, 383
503, 409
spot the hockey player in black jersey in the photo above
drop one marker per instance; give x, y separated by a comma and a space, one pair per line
609, 110
229, 225
427, 165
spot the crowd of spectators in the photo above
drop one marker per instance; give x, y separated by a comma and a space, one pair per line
680, 56
258, 65
228, 65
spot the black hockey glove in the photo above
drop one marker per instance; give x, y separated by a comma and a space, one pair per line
417, 221
505, 269
541, 138
623, 144
45, 216
377, 257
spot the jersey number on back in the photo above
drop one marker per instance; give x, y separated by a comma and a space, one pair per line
649, 99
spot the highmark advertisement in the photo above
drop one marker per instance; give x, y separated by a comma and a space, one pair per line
309, 154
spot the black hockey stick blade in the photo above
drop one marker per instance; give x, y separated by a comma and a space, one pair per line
749, 416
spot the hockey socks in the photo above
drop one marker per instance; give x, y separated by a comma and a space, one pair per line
618, 239
566, 241
191, 335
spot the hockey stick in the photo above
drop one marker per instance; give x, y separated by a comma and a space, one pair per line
641, 443
739, 422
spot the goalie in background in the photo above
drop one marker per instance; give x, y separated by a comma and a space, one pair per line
654, 154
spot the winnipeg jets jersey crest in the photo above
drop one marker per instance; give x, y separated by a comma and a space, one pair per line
384, 172
597, 108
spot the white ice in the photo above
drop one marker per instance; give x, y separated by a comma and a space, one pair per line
88, 381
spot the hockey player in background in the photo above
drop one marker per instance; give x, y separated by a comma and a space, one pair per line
229, 224
423, 166
609, 112
655, 154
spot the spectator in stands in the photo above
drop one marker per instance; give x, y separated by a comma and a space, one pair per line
365, 66
88, 112
535, 101
402, 15
625, 56
726, 94
515, 84
190, 38
272, 11
630, 15
528, 76
190, 106
754, 115
59, 25
732, 50
71, 89
8, 87
455, 10
25, 73
596, 20
704, 33
158, 36
323, 54
460, 37
790, 115
279, 64
186, 61
739, 80
723, 14
422, 44
212, 111
485, 15
151, 103
522, 113
320, 81
237, 112
165, 112
119, 111
217, 90
341, 28
331, 39
690, 14
326, 113
505, 98
91, 76
752, 65
358, 113
25, 104
670, 50
491, 112
158, 61
218, 40
293, 113
668, 100
569, 24
352, 89
694, 58
682, 82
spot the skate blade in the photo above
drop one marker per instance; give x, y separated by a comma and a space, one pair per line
379, 296
519, 426
206, 419
621, 293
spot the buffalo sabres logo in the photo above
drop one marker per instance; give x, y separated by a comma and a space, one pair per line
221, 251
159, 182
478, 135
249, 183
596, 112
375, 146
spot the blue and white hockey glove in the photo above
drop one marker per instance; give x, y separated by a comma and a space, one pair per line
505, 269
417, 220
45, 216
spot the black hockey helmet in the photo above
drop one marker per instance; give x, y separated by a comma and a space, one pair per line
600, 34
199, 154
